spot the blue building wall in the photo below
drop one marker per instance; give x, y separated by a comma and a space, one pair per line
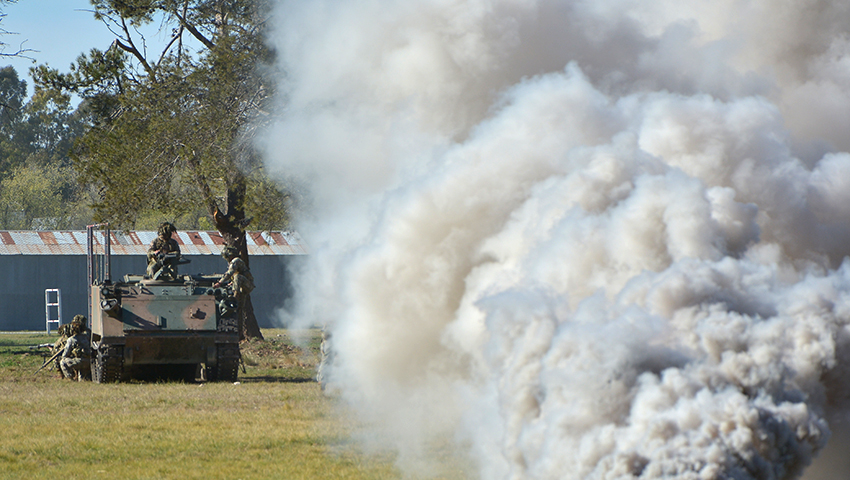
25, 278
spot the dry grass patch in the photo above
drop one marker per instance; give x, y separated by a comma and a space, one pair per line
286, 354
65, 429
274, 424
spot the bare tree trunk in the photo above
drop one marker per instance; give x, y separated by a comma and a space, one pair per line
231, 224
250, 327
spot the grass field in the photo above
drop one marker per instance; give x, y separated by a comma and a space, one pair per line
274, 423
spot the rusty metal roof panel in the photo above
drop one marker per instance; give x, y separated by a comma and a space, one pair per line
194, 250
21, 242
145, 238
26, 238
67, 238
79, 237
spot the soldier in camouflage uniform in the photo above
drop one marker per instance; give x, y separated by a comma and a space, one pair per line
238, 274
82, 321
76, 358
239, 277
163, 244
59, 345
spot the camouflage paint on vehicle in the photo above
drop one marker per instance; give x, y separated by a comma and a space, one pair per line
185, 323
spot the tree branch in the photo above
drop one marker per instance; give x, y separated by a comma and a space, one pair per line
136, 53
194, 31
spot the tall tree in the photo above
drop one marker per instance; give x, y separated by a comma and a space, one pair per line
38, 189
13, 93
171, 130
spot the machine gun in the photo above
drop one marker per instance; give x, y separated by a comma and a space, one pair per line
166, 265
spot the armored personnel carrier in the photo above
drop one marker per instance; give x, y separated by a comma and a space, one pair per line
168, 326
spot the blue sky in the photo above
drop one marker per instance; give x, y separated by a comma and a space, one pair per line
59, 29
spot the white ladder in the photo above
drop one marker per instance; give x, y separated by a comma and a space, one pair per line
53, 307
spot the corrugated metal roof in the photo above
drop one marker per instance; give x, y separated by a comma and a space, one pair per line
22, 242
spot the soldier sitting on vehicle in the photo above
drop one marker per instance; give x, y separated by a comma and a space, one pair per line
163, 254
76, 358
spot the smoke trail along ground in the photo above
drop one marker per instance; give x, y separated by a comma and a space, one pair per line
586, 239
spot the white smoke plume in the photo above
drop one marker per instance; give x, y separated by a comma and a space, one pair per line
583, 239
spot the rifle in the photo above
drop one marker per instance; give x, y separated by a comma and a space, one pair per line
41, 345
49, 360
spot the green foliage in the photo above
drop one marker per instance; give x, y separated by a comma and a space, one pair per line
41, 197
38, 188
49, 127
164, 137
12, 93
267, 203
98, 77
172, 134
138, 12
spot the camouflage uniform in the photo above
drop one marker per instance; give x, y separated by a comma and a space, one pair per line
76, 359
161, 245
240, 276
59, 345
82, 321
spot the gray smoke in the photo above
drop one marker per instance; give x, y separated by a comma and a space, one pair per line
582, 239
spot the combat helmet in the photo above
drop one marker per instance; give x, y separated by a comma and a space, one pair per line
74, 328
80, 320
229, 252
166, 229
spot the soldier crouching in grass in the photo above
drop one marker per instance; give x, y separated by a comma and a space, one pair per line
59, 345
76, 358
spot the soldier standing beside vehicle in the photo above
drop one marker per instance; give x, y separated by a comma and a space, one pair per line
238, 275
162, 245
76, 358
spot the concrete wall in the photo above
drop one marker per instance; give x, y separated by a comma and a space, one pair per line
25, 277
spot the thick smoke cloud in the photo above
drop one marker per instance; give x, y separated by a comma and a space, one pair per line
582, 239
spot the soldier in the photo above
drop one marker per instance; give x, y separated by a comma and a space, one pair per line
162, 245
76, 358
82, 321
59, 345
238, 275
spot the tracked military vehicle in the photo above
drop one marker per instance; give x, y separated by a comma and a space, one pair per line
167, 326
